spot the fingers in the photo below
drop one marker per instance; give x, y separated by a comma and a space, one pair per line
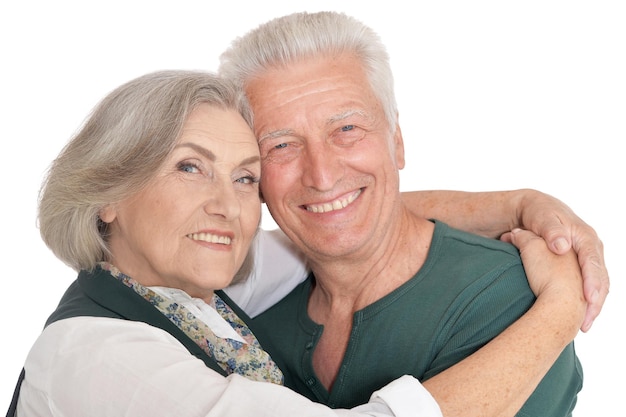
564, 230
506, 237
595, 279
590, 252
550, 218
593, 308
520, 238
557, 237
559, 245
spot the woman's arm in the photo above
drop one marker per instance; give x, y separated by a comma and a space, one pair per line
493, 213
498, 379
93, 366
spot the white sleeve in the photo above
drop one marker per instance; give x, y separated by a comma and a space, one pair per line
406, 396
279, 267
95, 367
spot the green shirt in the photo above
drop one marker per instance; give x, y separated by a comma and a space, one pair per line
468, 291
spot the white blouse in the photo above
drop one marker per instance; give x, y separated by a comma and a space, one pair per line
279, 267
94, 366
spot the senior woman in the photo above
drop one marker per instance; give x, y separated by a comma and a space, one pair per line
156, 202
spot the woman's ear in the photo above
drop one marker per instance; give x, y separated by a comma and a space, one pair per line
107, 213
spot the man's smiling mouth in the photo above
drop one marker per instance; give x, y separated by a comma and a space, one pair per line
337, 204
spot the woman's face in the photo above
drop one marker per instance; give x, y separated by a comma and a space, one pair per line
192, 226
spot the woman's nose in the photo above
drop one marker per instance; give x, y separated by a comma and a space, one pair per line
223, 200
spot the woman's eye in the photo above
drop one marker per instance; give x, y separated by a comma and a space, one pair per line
249, 179
188, 167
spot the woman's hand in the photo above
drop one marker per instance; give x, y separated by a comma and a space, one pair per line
564, 230
551, 276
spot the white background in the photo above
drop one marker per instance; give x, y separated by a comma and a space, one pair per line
492, 95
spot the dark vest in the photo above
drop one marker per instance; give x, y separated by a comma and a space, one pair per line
99, 294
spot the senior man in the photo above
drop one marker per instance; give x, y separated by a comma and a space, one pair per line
391, 291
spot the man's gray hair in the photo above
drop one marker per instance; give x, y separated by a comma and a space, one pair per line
302, 35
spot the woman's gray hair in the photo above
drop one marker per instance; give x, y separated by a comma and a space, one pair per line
302, 35
117, 152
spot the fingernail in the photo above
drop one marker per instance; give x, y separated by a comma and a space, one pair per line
560, 244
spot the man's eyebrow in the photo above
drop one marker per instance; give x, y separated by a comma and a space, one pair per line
203, 151
276, 134
345, 115
288, 132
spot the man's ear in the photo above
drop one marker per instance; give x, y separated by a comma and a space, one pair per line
107, 213
399, 147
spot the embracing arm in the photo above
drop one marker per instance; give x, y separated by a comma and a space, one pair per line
98, 366
498, 379
493, 213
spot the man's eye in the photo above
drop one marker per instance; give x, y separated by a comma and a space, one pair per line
281, 150
347, 128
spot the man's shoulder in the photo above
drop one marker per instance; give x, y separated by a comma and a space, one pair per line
450, 243
462, 260
480, 243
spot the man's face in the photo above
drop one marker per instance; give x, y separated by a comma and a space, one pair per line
329, 162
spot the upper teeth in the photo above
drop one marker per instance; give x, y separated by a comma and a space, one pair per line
207, 237
333, 205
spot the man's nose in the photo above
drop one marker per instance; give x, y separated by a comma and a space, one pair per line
322, 167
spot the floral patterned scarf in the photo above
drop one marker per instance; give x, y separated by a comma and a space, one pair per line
247, 359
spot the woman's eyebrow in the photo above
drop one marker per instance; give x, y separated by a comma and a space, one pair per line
211, 156
251, 160
203, 151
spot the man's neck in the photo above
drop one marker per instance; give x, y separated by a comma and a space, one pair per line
361, 279
345, 286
